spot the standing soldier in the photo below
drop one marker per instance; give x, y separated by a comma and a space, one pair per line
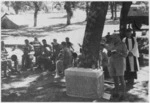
45, 58
69, 44
56, 49
26, 57
64, 59
37, 48
118, 53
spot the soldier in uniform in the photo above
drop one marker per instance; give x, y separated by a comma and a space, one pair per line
45, 58
64, 59
37, 48
26, 57
117, 63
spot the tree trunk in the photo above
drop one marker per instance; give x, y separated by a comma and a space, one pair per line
115, 5
93, 33
87, 10
35, 13
123, 17
69, 12
112, 9
16, 10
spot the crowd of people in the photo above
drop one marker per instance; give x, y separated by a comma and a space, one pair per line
42, 56
119, 58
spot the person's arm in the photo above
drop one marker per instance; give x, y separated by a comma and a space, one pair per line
50, 48
31, 48
72, 46
61, 55
5, 53
124, 51
80, 45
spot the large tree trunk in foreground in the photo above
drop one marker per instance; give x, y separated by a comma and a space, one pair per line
93, 33
68, 9
35, 13
123, 17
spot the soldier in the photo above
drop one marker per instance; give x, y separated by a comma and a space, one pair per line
117, 52
37, 48
4, 55
26, 57
56, 49
69, 44
45, 58
64, 59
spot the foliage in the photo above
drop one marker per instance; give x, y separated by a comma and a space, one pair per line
25, 5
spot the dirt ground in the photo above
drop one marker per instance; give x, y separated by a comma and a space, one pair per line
37, 86
40, 86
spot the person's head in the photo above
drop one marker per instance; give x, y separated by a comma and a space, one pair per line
116, 38
128, 33
44, 41
14, 57
35, 38
108, 39
67, 39
63, 44
113, 39
55, 40
26, 41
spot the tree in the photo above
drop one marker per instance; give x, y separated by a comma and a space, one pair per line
113, 7
123, 17
93, 33
87, 9
68, 9
7, 4
36, 9
16, 6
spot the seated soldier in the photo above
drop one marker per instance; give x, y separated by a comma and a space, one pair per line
15, 60
27, 57
7, 62
4, 55
64, 59
45, 58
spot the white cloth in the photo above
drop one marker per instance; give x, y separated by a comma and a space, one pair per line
131, 59
134, 50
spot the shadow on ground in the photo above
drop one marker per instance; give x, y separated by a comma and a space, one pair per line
42, 87
31, 32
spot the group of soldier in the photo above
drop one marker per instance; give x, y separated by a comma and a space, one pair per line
43, 56
121, 60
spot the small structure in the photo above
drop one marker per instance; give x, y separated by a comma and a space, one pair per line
12, 21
